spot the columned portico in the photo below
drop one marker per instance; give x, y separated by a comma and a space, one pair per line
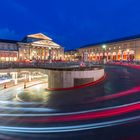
39, 47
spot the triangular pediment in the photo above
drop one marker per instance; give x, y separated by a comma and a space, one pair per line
46, 43
40, 40
39, 36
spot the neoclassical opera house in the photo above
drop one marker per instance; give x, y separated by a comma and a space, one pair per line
32, 47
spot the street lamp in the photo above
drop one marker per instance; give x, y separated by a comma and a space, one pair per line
104, 49
104, 46
128, 50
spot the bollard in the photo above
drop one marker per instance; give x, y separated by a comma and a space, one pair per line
5, 86
24, 85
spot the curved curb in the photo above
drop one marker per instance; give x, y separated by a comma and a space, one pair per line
36, 84
18, 99
127, 65
80, 86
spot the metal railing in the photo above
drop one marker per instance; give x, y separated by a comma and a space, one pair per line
8, 65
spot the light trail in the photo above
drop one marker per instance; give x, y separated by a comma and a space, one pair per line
43, 115
60, 114
27, 109
86, 116
123, 93
118, 95
69, 128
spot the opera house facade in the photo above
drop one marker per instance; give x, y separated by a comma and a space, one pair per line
32, 47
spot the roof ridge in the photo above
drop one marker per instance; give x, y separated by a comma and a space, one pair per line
113, 40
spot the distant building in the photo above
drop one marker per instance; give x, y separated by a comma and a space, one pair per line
8, 50
71, 55
32, 47
127, 48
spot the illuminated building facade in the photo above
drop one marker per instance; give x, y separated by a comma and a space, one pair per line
39, 47
32, 47
8, 50
72, 55
127, 48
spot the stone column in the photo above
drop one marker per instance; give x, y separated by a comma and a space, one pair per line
107, 57
30, 77
38, 53
45, 52
14, 77
116, 55
29, 53
50, 53
41, 53
122, 54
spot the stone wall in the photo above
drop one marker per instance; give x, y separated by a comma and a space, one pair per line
65, 79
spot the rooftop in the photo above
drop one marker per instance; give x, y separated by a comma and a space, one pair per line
39, 36
8, 41
133, 37
72, 50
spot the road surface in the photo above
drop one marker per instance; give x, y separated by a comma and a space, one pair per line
109, 110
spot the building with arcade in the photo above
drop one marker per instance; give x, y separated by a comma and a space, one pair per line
127, 48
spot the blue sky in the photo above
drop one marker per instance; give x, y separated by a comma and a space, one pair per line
71, 23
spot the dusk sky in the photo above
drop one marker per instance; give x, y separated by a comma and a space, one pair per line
70, 23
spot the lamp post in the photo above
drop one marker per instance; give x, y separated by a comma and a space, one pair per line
104, 57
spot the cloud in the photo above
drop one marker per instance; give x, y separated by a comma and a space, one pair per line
6, 33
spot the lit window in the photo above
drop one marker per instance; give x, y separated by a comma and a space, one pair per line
7, 58
15, 59
2, 58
